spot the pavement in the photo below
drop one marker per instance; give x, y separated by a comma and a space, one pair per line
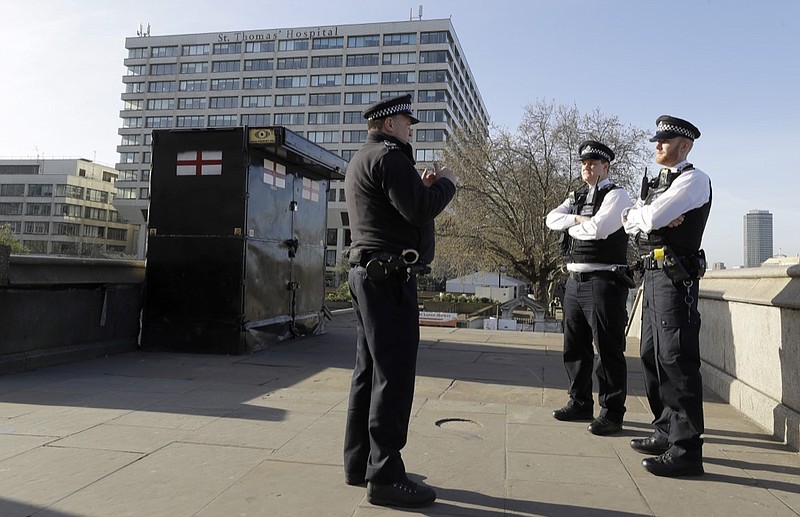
168, 434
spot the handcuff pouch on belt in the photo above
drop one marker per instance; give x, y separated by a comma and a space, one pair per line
624, 276
677, 269
383, 265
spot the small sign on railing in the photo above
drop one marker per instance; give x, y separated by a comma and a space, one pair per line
438, 319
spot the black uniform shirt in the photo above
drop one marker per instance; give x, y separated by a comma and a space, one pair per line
390, 208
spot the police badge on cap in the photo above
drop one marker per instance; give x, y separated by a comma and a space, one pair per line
594, 150
391, 106
669, 127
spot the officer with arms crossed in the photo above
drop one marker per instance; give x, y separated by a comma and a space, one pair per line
391, 212
595, 248
668, 222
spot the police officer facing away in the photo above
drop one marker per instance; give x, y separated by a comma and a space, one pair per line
391, 212
595, 247
668, 221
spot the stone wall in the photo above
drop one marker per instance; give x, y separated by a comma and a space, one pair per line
54, 310
750, 343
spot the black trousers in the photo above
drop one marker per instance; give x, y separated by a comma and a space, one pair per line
670, 351
594, 312
382, 388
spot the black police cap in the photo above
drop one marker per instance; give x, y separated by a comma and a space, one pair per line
594, 150
669, 127
391, 106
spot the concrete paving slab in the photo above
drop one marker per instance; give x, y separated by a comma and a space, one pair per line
454, 355
285, 489
462, 465
567, 438
12, 445
301, 400
111, 437
178, 480
545, 498
321, 443
60, 421
431, 388
568, 469
777, 472
336, 379
486, 392
181, 434
722, 491
46, 475
459, 407
167, 416
31, 380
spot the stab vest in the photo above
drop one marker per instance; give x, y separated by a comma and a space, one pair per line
611, 250
684, 239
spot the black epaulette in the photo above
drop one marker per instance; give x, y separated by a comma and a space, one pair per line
390, 145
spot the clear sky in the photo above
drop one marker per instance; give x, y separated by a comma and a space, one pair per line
729, 66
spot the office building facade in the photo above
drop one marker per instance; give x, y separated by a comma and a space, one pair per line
64, 207
757, 237
315, 80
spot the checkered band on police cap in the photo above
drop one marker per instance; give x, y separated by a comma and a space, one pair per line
391, 106
391, 110
670, 127
676, 129
592, 149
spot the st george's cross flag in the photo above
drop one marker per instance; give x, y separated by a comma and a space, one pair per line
199, 163
310, 190
274, 174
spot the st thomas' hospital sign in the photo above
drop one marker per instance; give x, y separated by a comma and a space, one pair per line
319, 32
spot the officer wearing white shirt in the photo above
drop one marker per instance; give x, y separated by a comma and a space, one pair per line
668, 221
594, 246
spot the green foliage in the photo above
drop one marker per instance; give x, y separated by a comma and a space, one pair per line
9, 239
462, 298
342, 294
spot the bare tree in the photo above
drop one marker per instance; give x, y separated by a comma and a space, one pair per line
508, 182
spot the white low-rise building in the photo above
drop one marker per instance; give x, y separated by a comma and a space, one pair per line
64, 207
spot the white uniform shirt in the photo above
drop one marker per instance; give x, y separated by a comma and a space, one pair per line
606, 221
690, 190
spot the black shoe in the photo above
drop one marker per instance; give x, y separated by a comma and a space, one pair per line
603, 426
573, 412
403, 493
355, 481
668, 465
650, 445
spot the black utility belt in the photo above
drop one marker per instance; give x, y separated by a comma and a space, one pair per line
677, 268
406, 257
690, 262
381, 264
585, 276
620, 274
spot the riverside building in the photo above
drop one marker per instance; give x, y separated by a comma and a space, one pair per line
757, 226
314, 80
64, 207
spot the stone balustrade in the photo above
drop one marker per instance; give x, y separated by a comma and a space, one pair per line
750, 343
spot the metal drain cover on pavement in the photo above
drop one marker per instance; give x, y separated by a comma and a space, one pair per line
459, 425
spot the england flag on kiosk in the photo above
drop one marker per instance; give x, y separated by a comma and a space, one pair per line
274, 174
199, 163
310, 190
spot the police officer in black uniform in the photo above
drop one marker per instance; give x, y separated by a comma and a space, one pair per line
595, 247
391, 210
668, 221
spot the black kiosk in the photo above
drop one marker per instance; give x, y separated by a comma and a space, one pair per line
236, 239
